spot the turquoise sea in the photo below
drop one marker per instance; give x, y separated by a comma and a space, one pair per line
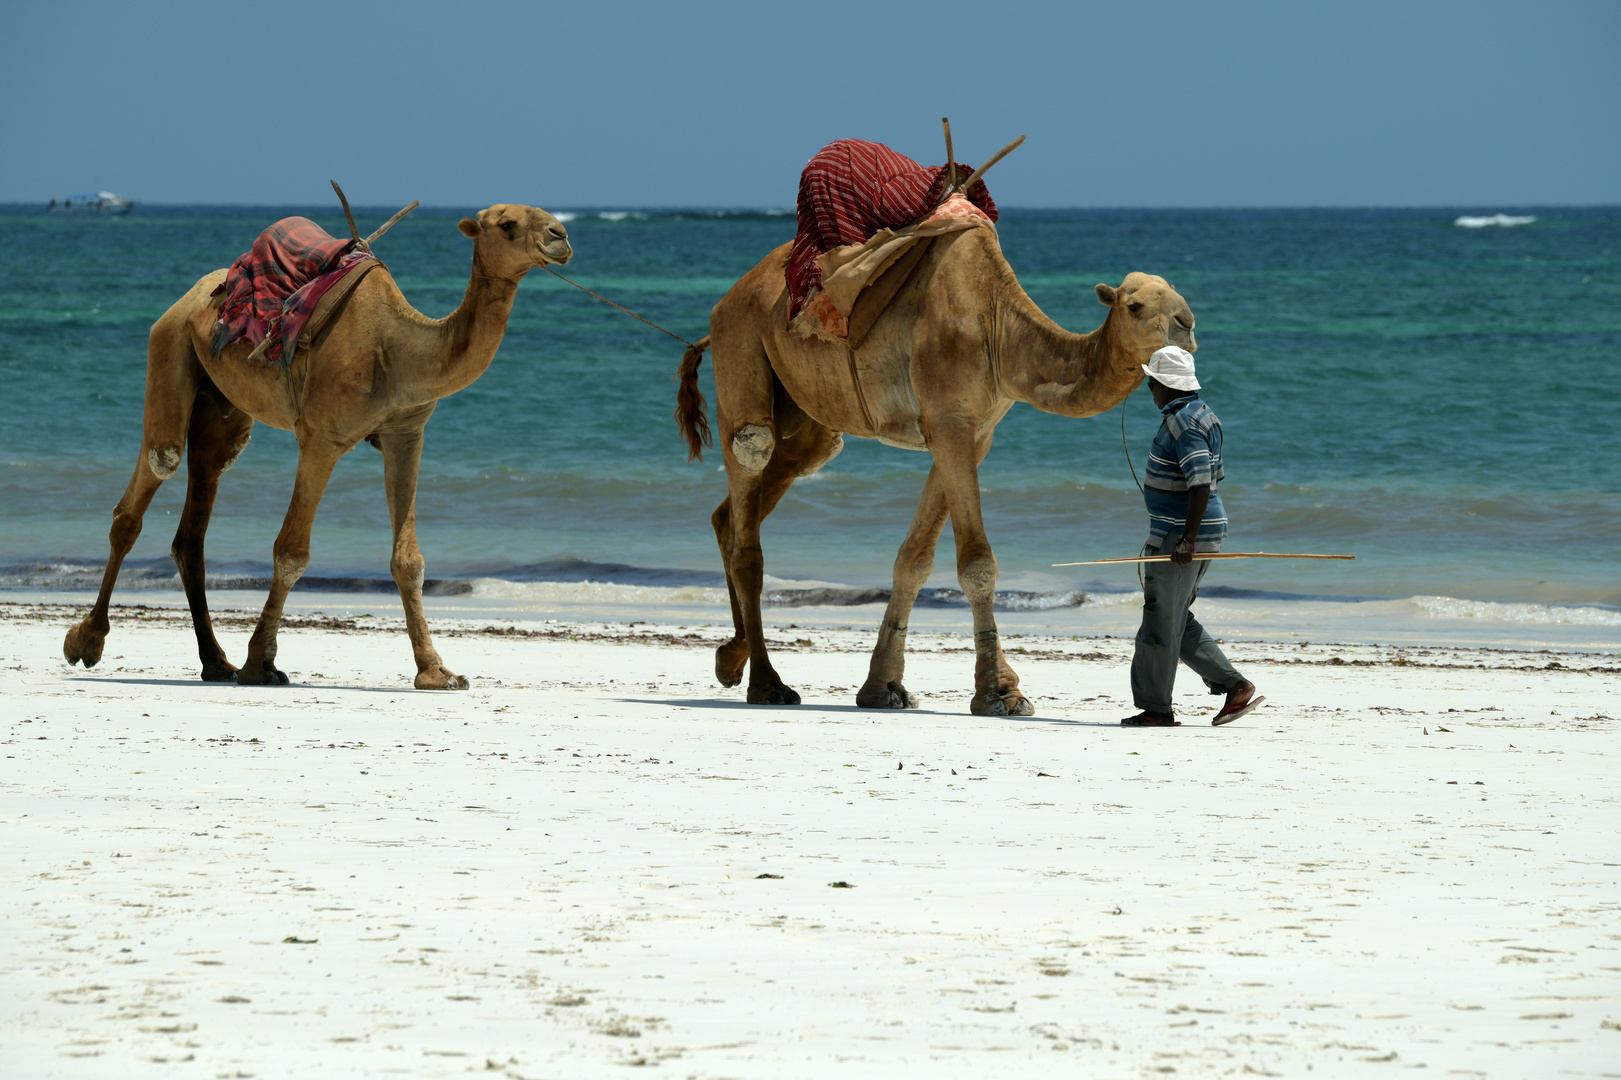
1440, 400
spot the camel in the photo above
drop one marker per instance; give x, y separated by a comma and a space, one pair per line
958, 345
374, 373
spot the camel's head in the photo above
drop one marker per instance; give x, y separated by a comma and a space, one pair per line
510, 240
1148, 314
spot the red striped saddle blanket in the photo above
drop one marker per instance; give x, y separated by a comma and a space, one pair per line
273, 288
853, 188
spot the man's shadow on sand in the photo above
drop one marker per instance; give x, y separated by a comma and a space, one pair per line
788, 710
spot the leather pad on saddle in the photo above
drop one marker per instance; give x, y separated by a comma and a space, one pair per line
332, 300
874, 299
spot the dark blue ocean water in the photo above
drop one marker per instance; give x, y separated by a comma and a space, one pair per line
1439, 400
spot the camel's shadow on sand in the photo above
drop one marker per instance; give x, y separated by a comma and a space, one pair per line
786, 710
294, 685
789, 711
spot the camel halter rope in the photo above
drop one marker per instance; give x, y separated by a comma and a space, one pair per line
626, 310
1140, 583
1126, 448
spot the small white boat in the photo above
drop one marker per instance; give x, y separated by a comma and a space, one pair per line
102, 202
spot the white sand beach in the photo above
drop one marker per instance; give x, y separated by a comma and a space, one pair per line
598, 858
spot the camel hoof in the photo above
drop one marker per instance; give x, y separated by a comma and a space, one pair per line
218, 671
439, 679
1018, 705
875, 695
772, 695
82, 646
267, 675
730, 659
987, 705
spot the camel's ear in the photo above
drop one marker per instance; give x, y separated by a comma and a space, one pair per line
469, 227
1106, 294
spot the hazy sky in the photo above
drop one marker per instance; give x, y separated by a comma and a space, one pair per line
1146, 103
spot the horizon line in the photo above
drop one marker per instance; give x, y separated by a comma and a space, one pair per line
676, 208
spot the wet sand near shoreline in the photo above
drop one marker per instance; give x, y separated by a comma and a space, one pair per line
597, 857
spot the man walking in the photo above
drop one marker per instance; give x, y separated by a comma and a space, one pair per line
1184, 516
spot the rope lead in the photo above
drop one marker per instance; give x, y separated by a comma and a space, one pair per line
1140, 583
626, 310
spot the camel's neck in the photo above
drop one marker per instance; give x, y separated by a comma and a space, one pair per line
1041, 363
463, 343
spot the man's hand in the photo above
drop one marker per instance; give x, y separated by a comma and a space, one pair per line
1182, 553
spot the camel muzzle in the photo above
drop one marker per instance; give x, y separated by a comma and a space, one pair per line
1180, 334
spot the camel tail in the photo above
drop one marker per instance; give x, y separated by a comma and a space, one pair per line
690, 405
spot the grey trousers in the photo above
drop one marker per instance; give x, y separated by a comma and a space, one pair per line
1170, 632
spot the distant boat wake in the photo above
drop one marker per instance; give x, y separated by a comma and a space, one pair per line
1504, 220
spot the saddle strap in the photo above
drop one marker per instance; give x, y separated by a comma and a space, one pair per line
333, 299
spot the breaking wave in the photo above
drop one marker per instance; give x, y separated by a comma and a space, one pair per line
584, 581
1447, 607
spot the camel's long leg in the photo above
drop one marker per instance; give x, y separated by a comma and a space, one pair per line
745, 569
733, 656
737, 527
745, 394
219, 432
753, 497
84, 641
884, 688
402, 458
316, 457
173, 374
996, 686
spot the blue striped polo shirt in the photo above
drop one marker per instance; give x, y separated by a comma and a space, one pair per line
1186, 453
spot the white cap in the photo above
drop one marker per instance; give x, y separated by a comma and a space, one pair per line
1173, 366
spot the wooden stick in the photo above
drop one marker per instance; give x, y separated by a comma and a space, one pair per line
998, 156
353, 232
390, 223
951, 159
1206, 555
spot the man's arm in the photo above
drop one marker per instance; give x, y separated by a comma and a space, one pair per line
1198, 502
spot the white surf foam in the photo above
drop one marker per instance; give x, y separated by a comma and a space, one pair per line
1504, 220
1448, 607
1112, 599
595, 592
778, 592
